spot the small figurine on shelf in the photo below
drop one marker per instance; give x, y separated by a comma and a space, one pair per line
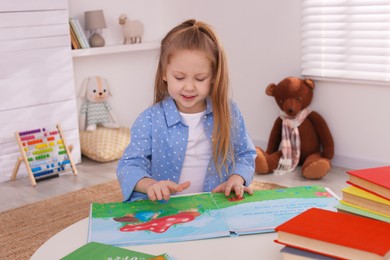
133, 30
96, 109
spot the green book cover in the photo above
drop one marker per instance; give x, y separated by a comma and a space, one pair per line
98, 251
358, 211
201, 216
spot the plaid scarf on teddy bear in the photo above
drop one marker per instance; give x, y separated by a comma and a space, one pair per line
291, 143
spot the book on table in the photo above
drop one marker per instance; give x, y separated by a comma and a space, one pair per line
374, 180
99, 251
364, 200
336, 234
201, 216
345, 208
291, 253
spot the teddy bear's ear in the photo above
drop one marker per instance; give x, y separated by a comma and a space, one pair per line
270, 89
310, 83
83, 91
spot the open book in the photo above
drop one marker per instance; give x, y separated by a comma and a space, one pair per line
201, 216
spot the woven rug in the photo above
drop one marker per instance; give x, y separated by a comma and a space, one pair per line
25, 229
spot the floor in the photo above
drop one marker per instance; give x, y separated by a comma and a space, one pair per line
20, 192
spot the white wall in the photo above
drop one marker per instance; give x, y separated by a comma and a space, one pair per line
358, 115
262, 41
130, 75
36, 78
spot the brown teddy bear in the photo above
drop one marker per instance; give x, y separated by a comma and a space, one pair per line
299, 136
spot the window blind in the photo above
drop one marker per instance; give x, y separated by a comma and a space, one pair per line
346, 39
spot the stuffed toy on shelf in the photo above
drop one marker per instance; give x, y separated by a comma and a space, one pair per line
96, 110
299, 135
133, 30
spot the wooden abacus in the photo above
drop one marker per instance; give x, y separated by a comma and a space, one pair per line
44, 154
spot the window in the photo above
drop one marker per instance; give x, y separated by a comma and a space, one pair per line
346, 39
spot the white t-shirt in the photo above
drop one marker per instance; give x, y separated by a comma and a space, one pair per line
198, 154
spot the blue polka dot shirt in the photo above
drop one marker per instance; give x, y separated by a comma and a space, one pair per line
158, 145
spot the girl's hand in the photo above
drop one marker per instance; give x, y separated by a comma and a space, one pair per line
233, 184
162, 190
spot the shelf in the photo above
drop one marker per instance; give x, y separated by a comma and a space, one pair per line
154, 45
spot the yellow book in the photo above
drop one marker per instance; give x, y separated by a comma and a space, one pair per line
359, 198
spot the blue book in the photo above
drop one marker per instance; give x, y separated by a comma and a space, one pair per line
294, 253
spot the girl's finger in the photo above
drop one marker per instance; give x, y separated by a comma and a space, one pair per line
249, 190
151, 194
239, 190
228, 189
185, 185
166, 193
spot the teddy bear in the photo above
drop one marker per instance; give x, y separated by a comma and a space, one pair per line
299, 135
96, 110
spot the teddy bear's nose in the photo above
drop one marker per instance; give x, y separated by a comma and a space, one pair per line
100, 93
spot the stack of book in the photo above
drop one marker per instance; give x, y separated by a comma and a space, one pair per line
324, 234
77, 35
368, 194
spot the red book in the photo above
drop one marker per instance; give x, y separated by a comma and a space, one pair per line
336, 234
374, 180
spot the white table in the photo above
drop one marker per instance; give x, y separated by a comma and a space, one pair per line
259, 246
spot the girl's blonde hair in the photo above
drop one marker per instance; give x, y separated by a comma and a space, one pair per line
196, 35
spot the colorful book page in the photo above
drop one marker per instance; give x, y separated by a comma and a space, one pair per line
266, 209
201, 216
181, 218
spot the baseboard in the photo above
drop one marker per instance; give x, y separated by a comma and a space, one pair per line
356, 163
340, 160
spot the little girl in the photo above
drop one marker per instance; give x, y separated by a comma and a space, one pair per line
193, 139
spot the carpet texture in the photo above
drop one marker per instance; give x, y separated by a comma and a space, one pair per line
23, 230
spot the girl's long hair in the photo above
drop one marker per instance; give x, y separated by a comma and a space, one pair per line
196, 35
